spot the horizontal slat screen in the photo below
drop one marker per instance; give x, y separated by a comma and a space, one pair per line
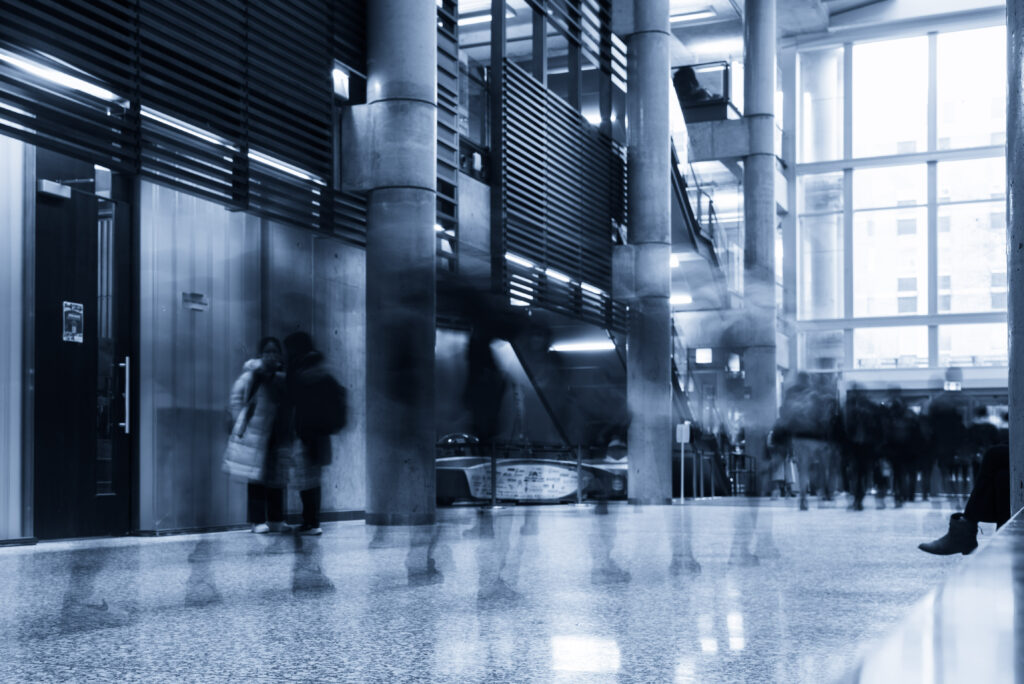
563, 188
229, 100
92, 41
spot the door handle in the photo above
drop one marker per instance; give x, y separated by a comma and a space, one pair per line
127, 424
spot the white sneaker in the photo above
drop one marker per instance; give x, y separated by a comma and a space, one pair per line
310, 531
262, 528
280, 527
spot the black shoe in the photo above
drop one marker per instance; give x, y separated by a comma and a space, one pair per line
962, 537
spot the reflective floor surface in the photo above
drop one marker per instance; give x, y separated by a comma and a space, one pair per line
695, 593
970, 629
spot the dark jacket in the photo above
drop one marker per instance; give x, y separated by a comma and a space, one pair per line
303, 373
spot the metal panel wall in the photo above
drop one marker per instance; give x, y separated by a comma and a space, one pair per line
190, 358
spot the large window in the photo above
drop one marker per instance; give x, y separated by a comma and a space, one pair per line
971, 75
890, 241
971, 235
900, 216
890, 97
821, 105
820, 246
905, 347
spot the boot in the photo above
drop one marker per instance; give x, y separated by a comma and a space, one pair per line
961, 538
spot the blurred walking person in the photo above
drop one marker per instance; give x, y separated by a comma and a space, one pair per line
863, 433
947, 414
900, 444
319, 403
801, 417
259, 444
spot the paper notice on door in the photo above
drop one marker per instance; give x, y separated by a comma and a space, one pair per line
74, 322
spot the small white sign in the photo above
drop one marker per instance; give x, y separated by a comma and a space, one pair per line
683, 432
74, 322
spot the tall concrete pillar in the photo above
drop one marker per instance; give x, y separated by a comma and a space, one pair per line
1015, 243
649, 389
400, 271
760, 219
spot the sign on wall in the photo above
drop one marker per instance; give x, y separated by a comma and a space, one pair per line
74, 322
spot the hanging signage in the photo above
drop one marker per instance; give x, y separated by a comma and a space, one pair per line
74, 322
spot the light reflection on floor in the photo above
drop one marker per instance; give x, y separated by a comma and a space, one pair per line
527, 594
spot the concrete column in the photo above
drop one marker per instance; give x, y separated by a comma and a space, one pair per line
760, 220
649, 390
1015, 243
400, 270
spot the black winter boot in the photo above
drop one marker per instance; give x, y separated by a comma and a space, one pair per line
962, 537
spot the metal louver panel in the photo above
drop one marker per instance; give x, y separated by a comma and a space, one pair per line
563, 184
90, 41
229, 100
192, 80
447, 135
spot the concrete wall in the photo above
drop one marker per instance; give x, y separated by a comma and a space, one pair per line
258, 278
12, 219
318, 284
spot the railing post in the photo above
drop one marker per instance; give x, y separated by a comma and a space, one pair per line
579, 474
494, 475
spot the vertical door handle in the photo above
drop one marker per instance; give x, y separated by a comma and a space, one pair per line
127, 424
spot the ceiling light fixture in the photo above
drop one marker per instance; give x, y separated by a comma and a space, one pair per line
687, 17
594, 346
483, 18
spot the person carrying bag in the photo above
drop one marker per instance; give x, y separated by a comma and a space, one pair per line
259, 444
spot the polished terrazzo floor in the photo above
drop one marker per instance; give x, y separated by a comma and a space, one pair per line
695, 593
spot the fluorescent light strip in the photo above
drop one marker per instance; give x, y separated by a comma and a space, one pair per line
684, 17
591, 289
184, 127
340, 78
557, 275
680, 299
482, 18
470, 21
282, 166
519, 260
60, 78
594, 346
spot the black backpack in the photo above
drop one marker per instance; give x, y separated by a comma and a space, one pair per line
321, 405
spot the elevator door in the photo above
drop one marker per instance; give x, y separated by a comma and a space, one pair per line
82, 447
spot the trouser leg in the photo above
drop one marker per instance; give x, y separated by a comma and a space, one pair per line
275, 504
990, 498
311, 506
256, 496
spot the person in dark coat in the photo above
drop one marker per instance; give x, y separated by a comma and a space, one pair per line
863, 433
305, 366
947, 418
902, 435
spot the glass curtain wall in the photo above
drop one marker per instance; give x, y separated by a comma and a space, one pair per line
901, 205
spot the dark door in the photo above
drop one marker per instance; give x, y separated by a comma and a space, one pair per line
82, 367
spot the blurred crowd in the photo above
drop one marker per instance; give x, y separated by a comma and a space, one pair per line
885, 445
